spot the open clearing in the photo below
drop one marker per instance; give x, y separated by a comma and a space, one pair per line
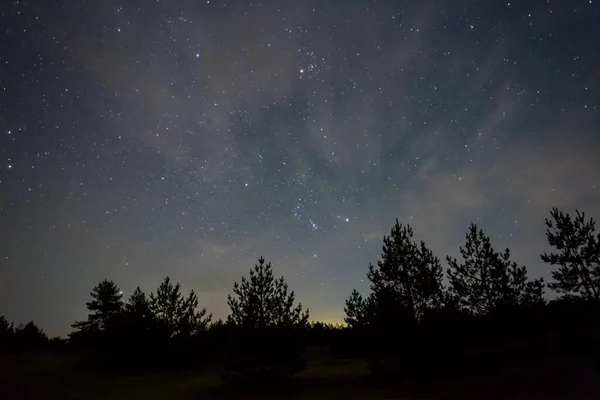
56, 376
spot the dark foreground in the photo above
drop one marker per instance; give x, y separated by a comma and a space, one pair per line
57, 376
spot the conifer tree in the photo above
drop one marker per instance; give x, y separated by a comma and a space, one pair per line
487, 279
179, 316
138, 303
267, 328
107, 302
138, 317
262, 301
577, 256
405, 283
356, 311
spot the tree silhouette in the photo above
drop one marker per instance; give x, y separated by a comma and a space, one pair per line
178, 315
261, 301
406, 285
407, 277
356, 311
487, 279
7, 332
265, 341
133, 337
6, 329
23, 337
138, 304
107, 302
578, 255
30, 336
137, 318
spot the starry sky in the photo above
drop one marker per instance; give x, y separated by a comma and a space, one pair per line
140, 139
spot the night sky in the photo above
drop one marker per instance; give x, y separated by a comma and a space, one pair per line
140, 139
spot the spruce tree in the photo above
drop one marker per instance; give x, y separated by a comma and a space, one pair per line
577, 256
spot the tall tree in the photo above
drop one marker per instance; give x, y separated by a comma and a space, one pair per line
178, 315
578, 255
107, 302
487, 279
408, 276
262, 301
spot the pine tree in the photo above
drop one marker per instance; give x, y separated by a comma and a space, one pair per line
134, 338
262, 301
407, 278
266, 329
356, 311
578, 256
138, 303
138, 318
179, 316
487, 279
106, 303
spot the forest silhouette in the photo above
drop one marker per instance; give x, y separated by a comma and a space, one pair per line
413, 325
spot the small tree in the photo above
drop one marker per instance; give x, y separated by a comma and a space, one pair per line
107, 302
578, 255
266, 328
261, 301
487, 279
179, 316
356, 311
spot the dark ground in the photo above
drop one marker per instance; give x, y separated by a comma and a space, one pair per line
58, 376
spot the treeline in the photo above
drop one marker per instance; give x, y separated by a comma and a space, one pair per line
485, 316
490, 315
23, 337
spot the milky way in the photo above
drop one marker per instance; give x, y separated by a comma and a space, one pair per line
140, 139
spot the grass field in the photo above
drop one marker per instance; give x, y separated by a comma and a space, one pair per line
56, 376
